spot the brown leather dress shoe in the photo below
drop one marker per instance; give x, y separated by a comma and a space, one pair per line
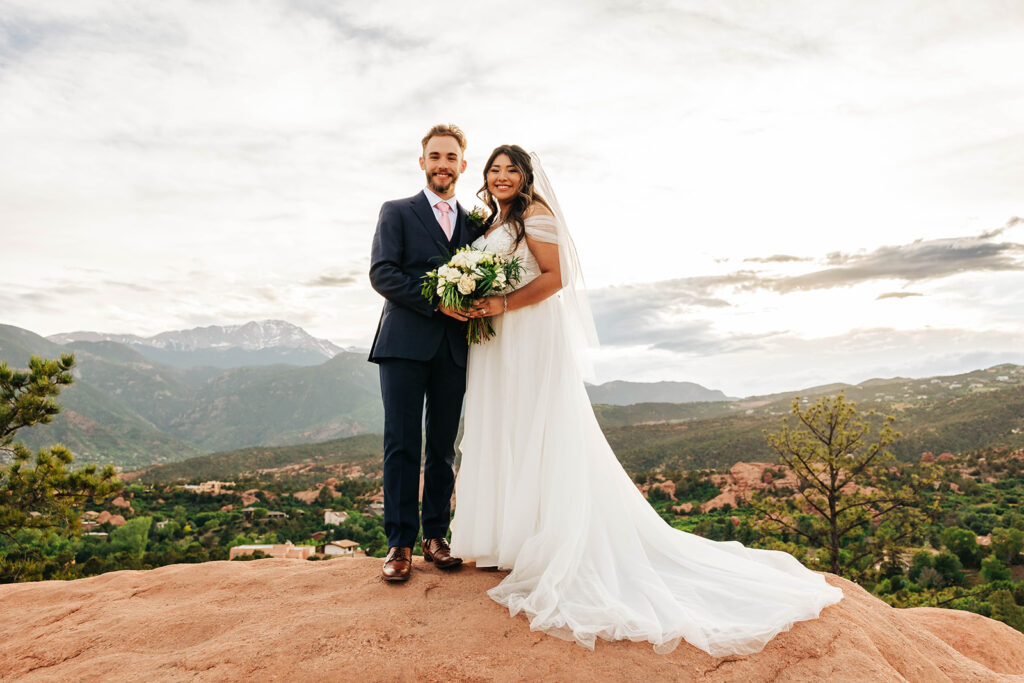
397, 564
436, 550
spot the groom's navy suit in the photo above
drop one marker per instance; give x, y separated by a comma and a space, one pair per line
422, 354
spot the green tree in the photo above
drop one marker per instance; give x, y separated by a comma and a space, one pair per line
921, 560
964, 543
1007, 544
41, 491
1006, 610
949, 568
848, 482
132, 536
993, 569
325, 497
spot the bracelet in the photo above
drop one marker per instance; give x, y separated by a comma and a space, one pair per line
504, 303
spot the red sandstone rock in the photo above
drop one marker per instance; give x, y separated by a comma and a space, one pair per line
249, 497
668, 487
744, 479
336, 620
927, 456
725, 499
944, 457
105, 517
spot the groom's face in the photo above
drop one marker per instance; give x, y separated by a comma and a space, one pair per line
442, 162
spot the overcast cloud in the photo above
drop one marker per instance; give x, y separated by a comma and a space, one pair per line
734, 174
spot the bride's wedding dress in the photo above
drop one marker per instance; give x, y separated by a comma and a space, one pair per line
541, 493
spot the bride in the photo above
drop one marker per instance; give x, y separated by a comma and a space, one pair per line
541, 493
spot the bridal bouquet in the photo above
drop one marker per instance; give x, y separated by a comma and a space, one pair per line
471, 274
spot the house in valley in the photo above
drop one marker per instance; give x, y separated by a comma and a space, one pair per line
335, 517
338, 548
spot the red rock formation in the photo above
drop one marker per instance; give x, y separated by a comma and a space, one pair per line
114, 520
249, 497
122, 503
309, 495
746, 477
725, 499
668, 487
336, 621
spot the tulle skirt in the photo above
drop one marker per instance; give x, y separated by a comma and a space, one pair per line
541, 493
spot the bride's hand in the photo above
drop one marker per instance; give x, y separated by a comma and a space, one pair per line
487, 307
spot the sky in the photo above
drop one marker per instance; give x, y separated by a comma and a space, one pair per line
764, 196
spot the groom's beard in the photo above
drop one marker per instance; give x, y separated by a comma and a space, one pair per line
441, 186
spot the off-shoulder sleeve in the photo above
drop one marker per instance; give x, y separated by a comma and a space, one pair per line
542, 228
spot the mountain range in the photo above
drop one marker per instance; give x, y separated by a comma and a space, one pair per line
620, 393
129, 409
142, 401
265, 342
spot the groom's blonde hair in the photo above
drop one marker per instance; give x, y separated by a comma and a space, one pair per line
442, 130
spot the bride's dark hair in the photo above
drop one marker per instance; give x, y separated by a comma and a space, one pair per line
516, 216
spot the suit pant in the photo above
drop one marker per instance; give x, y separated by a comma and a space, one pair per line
404, 385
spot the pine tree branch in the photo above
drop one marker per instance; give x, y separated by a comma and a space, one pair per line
778, 520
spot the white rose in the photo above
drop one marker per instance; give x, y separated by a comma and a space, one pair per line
466, 285
440, 290
500, 279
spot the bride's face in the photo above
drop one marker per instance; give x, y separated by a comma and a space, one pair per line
504, 179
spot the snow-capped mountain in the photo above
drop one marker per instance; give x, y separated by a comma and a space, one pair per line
254, 343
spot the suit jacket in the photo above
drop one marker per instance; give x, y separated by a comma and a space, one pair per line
409, 242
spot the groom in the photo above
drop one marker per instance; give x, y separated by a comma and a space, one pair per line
421, 350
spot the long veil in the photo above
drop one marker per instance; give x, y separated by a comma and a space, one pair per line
578, 320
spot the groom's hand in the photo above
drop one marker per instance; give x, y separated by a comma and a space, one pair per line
452, 312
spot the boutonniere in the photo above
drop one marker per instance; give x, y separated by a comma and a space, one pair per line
477, 218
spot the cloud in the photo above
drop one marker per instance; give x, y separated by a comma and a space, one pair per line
918, 261
148, 141
332, 281
646, 312
778, 258
897, 295
651, 311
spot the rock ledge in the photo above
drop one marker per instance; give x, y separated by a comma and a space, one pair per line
293, 620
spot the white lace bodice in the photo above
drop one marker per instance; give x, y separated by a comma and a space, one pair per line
502, 238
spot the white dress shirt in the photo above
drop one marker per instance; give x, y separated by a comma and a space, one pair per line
453, 213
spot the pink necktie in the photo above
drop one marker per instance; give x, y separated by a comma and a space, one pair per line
446, 224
